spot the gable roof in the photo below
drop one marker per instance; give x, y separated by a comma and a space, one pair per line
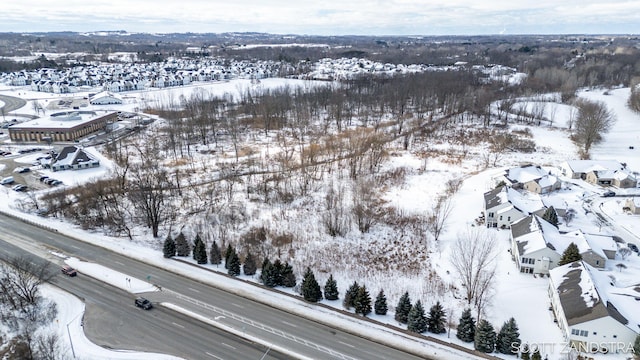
72, 155
525, 174
585, 166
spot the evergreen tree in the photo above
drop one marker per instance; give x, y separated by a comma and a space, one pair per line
278, 268
436, 323
525, 352
466, 327
535, 355
416, 319
249, 267
310, 288
214, 254
485, 340
234, 265
350, 295
380, 306
403, 308
227, 256
508, 340
636, 347
288, 278
182, 246
200, 252
169, 248
331, 289
551, 216
362, 301
196, 241
268, 274
570, 254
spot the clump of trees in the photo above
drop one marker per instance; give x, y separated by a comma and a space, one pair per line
593, 120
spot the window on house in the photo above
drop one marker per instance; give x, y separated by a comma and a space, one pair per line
490, 214
500, 217
584, 333
575, 332
595, 333
509, 218
615, 336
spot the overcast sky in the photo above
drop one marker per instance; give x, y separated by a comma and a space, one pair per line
326, 17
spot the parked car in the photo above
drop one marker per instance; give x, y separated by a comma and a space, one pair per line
609, 194
6, 181
143, 303
69, 271
43, 178
19, 187
633, 247
22, 170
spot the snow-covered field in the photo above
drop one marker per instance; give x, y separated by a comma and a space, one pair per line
517, 295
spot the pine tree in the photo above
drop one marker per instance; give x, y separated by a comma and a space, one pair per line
249, 267
310, 288
416, 319
362, 301
169, 248
350, 295
234, 265
485, 339
227, 256
466, 327
436, 323
182, 246
331, 289
214, 254
536, 354
525, 352
196, 241
508, 340
570, 254
636, 347
278, 268
288, 278
267, 275
380, 306
200, 252
403, 308
551, 216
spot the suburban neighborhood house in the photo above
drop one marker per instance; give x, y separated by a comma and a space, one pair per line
599, 172
504, 205
532, 178
105, 98
73, 158
62, 126
633, 204
537, 245
592, 313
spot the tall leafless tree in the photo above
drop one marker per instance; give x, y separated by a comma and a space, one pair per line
473, 256
593, 120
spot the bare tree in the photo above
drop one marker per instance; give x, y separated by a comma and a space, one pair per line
21, 278
335, 217
473, 256
438, 216
593, 120
624, 253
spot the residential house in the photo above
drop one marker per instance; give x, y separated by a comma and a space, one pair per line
633, 204
105, 98
504, 205
518, 176
73, 158
591, 311
543, 185
578, 169
537, 245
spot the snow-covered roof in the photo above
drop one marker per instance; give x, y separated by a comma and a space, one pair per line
587, 294
62, 120
72, 155
585, 166
547, 180
525, 174
527, 203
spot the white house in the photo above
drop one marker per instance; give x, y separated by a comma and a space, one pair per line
73, 158
578, 169
504, 205
105, 98
592, 313
516, 177
543, 185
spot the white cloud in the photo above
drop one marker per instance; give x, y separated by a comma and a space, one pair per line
327, 17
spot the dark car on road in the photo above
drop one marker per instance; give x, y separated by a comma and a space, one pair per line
69, 271
609, 194
633, 247
143, 303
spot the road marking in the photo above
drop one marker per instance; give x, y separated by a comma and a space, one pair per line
229, 346
194, 290
349, 345
218, 317
178, 325
210, 354
118, 262
288, 323
237, 305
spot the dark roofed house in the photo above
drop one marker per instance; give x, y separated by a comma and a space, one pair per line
73, 158
593, 314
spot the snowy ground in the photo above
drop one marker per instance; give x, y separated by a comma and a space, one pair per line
520, 296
